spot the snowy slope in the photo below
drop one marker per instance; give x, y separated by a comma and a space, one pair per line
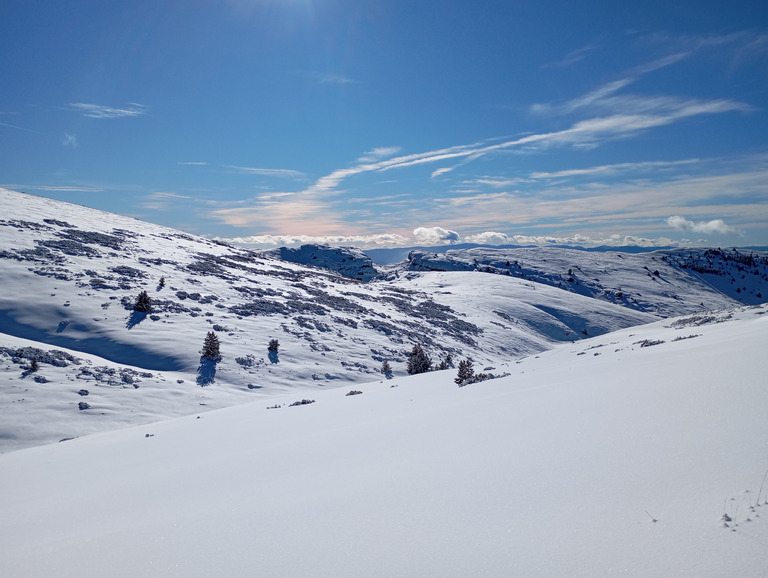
667, 283
642, 453
71, 275
349, 261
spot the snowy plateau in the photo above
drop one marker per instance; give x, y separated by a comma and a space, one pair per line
622, 429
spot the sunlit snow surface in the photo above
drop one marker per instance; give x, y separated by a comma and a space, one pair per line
618, 443
614, 456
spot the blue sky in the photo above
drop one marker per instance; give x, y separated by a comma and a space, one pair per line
396, 122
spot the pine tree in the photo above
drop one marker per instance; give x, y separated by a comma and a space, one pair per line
466, 373
211, 347
386, 369
446, 362
143, 303
419, 361
274, 345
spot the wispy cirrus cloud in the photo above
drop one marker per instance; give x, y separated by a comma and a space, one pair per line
637, 205
496, 182
377, 154
611, 169
21, 128
441, 171
605, 100
572, 57
69, 189
605, 114
165, 195
163, 200
585, 134
266, 172
100, 111
279, 214
332, 78
608, 99
69, 140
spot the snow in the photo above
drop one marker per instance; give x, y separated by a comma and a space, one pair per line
664, 282
349, 261
624, 433
560, 468
71, 275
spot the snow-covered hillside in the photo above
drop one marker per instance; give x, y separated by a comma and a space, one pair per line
349, 261
667, 282
71, 276
641, 453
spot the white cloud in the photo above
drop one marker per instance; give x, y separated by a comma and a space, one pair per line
162, 195
101, 111
606, 99
331, 78
69, 140
488, 238
437, 172
572, 57
162, 201
279, 173
66, 189
615, 240
497, 183
661, 62
435, 235
615, 168
706, 227
377, 154
587, 133
373, 241
389, 240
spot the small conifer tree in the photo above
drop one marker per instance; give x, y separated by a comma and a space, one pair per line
211, 347
419, 361
143, 303
466, 373
386, 369
274, 345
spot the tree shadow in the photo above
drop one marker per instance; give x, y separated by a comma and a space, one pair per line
273, 357
135, 318
206, 372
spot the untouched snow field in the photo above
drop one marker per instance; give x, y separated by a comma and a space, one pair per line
642, 452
